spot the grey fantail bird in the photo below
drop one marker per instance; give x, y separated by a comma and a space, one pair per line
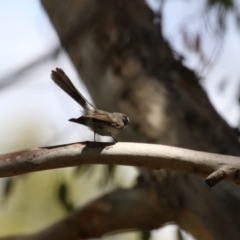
100, 122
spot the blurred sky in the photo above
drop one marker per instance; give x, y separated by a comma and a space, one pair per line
26, 34
34, 104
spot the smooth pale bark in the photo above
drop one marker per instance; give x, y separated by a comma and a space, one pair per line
213, 166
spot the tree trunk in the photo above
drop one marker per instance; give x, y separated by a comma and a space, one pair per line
118, 50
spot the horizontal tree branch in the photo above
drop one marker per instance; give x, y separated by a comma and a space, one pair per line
213, 166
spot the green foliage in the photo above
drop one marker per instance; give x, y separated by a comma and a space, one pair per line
179, 235
80, 170
63, 197
227, 4
108, 174
8, 187
146, 235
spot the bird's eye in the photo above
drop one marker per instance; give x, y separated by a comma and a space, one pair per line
126, 120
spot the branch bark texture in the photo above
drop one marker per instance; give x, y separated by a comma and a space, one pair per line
213, 166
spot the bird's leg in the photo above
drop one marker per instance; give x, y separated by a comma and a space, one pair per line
94, 136
115, 140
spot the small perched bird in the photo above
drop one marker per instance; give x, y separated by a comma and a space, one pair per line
100, 122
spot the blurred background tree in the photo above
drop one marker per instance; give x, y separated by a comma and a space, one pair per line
149, 60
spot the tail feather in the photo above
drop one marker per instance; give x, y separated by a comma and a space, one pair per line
63, 81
